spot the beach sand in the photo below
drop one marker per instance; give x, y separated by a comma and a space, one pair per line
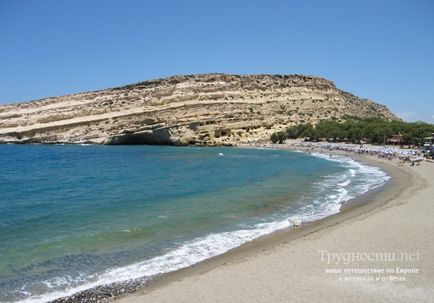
292, 265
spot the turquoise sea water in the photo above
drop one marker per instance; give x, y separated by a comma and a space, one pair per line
74, 217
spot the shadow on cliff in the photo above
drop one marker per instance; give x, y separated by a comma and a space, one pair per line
155, 137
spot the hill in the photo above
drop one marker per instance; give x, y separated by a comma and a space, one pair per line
202, 109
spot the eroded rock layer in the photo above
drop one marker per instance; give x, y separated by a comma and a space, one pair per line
204, 109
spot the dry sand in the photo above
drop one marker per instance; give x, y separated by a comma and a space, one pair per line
291, 265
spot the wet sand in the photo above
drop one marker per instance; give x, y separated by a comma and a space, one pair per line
306, 263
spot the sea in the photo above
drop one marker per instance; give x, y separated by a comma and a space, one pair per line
77, 217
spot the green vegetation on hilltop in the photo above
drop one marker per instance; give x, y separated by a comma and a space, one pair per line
375, 131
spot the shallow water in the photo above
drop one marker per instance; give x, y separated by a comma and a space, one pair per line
72, 217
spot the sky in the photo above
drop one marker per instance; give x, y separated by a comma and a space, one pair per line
381, 50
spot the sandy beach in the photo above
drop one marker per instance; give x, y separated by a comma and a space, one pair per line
379, 248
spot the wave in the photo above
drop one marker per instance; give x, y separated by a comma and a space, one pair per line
325, 199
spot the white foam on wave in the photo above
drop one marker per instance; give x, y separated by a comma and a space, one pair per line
183, 256
330, 194
365, 176
345, 183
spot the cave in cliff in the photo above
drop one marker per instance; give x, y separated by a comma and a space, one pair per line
155, 137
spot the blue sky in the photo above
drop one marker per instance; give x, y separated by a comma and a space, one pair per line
381, 50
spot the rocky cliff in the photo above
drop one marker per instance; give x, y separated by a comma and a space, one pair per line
207, 109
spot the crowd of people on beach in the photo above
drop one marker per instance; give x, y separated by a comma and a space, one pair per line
404, 155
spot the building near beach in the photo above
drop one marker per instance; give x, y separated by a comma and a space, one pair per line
395, 139
429, 142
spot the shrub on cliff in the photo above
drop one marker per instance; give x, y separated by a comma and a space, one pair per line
279, 137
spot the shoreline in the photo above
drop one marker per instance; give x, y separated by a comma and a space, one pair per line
370, 202
134, 285
118, 289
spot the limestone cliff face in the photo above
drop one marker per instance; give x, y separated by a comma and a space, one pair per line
208, 109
